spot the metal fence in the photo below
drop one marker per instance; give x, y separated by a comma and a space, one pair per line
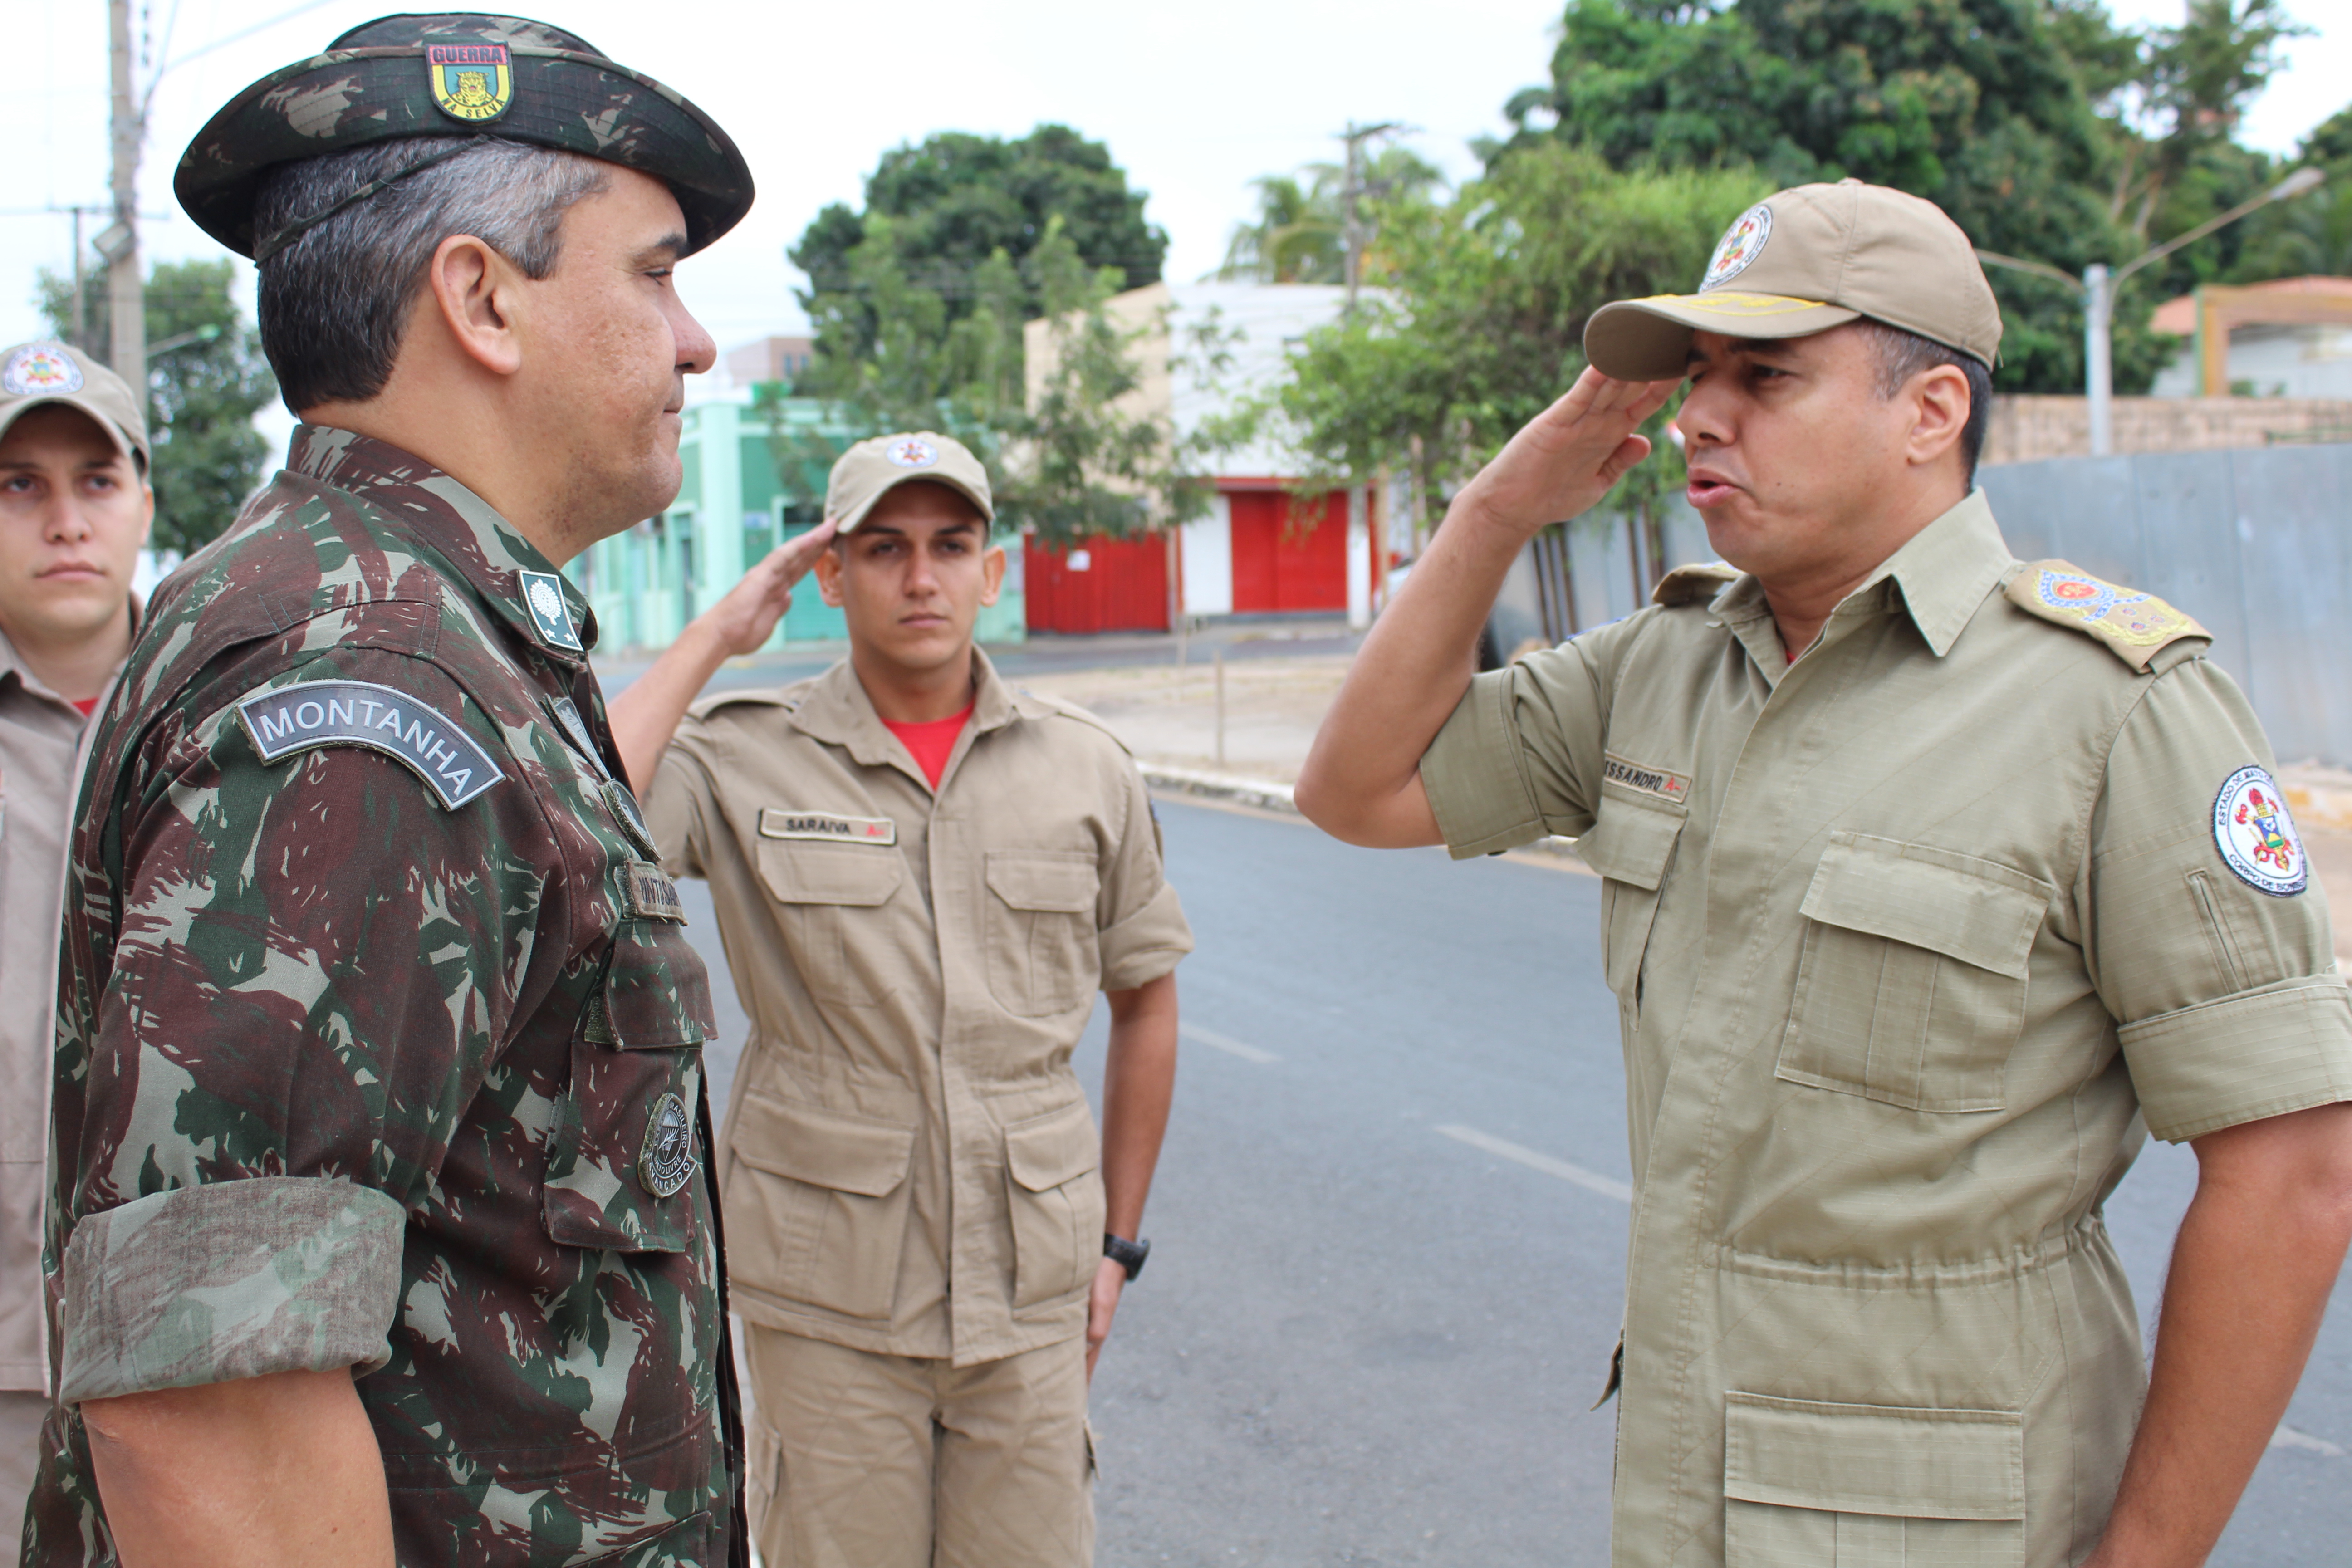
2255, 543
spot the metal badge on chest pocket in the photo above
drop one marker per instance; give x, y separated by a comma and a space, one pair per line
625, 1142
1911, 984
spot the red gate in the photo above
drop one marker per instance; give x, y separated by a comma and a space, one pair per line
1289, 552
1097, 585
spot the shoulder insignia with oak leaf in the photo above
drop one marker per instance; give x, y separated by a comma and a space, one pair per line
1683, 583
2134, 626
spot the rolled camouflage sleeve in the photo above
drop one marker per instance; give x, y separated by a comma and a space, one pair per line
316, 967
1143, 934
236, 1279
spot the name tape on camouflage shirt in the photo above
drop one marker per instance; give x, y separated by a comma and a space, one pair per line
427, 742
1659, 782
878, 831
652, 895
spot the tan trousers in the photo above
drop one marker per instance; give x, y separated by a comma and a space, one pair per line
21, 1415
861, 1460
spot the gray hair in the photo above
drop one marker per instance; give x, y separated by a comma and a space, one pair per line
1903, 354
335, 301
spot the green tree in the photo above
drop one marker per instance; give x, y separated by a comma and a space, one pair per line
1482, 324
1300, 232
205, 378
1989, 108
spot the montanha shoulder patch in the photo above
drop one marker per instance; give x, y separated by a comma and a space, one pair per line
428, 742
2134, 626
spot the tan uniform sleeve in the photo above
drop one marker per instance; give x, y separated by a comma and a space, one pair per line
1139, 925
683, 799
2230, 1006
1520, 758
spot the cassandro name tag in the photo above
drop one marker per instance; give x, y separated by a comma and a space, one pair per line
777, 823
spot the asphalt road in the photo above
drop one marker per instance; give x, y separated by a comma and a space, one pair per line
1388, 1229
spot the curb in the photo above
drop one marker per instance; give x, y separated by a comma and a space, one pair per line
1269, 795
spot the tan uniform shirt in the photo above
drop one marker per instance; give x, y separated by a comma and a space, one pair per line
1906, 937
916, 970
40, 733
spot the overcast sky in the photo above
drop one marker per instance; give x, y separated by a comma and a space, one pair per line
1194, 98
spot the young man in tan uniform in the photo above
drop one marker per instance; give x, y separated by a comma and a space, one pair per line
75, 507
922, 876
1933, 882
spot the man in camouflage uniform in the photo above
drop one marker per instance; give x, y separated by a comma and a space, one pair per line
380, 1228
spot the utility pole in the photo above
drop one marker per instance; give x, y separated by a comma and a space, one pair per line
1352, 237
126, 295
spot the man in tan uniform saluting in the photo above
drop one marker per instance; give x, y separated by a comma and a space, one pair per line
75, 507
922, 876
1928, 876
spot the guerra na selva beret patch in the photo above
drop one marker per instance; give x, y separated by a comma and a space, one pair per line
420, 737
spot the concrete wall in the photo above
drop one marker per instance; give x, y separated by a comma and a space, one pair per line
2255, 544
2031, 428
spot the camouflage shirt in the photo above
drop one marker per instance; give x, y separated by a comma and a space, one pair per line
379, 1040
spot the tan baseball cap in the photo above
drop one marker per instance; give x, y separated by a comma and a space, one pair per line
1803, 261
37, 372
874, 468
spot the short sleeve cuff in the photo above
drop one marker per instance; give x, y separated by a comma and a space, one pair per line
2240, 1059
1475, 778
228, 1281
1147, 945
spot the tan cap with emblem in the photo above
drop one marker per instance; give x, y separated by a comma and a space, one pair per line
1804, 260
873, 469
37, 372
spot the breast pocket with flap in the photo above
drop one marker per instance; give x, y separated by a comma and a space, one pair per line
816, 1202
1044, 954
1054, 1183
821, 886
1631, 846
1813, 1485
1911, 984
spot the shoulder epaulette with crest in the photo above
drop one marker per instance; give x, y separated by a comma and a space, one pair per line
1683, 583
2134, 626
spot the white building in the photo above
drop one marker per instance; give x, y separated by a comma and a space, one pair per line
2289, 338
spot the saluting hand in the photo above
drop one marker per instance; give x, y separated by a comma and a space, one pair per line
743, 619
1566, 459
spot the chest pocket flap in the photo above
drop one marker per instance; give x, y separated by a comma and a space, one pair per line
848, 874
1911, 985
1630, 844
1048, 881
1971, 910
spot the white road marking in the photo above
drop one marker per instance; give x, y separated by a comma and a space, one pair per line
2288, 1436
1590, 1181
1226, 1043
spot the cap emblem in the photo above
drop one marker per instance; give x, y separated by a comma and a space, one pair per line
1742, 243
914, 452
472, 81
41, 370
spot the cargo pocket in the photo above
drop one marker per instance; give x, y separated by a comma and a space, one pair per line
816, 1204
1809, 1484
1043, 952
1911, 985
626, 1143
1056, 1196
814, 883
1630, 845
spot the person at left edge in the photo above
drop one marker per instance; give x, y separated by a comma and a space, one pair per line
380, 1227
74, 508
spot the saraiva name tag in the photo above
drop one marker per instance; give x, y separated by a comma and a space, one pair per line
778, 823
431, 744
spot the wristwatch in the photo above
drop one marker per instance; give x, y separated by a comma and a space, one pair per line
1128, 1254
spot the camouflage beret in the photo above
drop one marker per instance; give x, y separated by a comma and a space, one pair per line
458, 73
